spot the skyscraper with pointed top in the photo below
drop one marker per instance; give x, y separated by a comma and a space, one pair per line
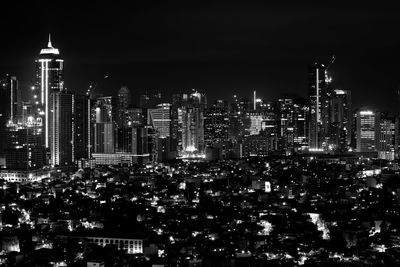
49, 78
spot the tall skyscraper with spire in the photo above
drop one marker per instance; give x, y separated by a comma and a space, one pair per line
49, 78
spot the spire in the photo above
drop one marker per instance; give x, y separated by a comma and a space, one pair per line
49, 43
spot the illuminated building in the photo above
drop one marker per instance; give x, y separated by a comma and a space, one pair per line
123, 105
136, 117
341, 120
188, 122
367, 130
9, 97
160, 119
256, 123
49, 78
192, 129
387, 136
238, 119
216, 124
25, 150
319, 101
82, 126
259, 145
291, 123
62, 128
104, 115
103, 137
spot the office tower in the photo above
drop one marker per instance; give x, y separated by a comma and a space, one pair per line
106, 109
9, 101
367, 130
123, 105
134, 140
82, 126
10, 97
103, 137
300, 124
187, 127
256, 122
62, 127
150, 99
188, 122
387, 137
160, 119
259, 145
317, 97
192, 129
49, 79
341, 120
291, 117
216, 124
104, 115
25, 149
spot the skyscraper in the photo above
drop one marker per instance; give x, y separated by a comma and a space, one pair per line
82, 126
9, 100
123, 105
160, 119
104, 124
188, 121
316, 92
387, 137
49, 78
367, 130
340, 128
25, 150
62, 127
216, 124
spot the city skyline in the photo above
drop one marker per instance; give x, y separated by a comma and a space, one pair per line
221, 49
199, 135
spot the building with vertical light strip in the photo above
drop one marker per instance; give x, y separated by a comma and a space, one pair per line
49, 78
62, 128
316, 76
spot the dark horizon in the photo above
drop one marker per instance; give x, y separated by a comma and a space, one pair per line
221, 49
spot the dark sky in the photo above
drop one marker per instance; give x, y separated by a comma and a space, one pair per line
222, 48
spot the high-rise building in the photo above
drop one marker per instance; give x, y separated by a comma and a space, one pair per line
316, 92
387, 137
82, 126
49, 79
238, 120
25, 149
216, 124
9, 103
291, 117
103, 137
62, 127
187, 127
192, 129
104, 121
341, 125
123, 105
192, 122
367, 130
160, 119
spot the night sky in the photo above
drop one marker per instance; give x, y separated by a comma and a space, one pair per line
223, 48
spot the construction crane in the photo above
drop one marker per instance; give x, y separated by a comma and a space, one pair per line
330, 62
93, 86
